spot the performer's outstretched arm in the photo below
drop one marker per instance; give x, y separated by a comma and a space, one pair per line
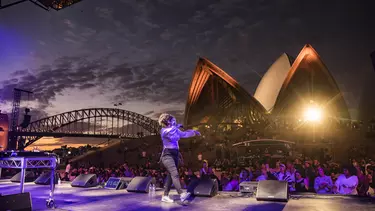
182, 134
188, 133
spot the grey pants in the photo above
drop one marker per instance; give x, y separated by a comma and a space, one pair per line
170, 162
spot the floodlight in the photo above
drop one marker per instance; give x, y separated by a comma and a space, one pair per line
313, 114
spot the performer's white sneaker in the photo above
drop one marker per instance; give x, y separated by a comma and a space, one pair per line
184, 196
166, 199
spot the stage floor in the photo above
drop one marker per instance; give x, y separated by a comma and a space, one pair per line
99, 199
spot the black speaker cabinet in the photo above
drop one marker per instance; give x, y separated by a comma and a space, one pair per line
272, 190
204, 187
16, 202
124, 182
85, 181
29, 177
45, 179
140, 184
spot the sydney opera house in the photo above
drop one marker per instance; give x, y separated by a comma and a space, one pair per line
295, 96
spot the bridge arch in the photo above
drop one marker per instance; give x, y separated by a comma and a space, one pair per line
88, 123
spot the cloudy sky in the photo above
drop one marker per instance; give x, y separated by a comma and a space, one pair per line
142, 52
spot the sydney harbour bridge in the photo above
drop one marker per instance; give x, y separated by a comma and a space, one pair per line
110, 123
92, 122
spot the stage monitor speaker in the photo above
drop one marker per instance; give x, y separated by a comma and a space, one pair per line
29, 177
16, 202
248, 187
140, 184
124, 182
272, 190
85, 181
45, 178
204, 187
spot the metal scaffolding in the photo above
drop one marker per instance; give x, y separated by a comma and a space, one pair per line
26, 162
15, 115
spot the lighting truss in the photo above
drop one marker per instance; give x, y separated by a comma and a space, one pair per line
24, 162
44, 4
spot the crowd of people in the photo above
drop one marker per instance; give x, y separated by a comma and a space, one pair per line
321, 176
302, 175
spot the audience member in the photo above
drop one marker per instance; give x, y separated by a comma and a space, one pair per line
205, 171
323, 183
363, 182
301, 184
347, 182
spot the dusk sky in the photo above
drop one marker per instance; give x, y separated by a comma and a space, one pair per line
142, 53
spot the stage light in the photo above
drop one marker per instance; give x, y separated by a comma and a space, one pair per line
313, 114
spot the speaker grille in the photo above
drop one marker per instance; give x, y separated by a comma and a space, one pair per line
140, 184
272, 190
85, 180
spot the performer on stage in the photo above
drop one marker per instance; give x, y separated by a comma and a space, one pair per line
170, 135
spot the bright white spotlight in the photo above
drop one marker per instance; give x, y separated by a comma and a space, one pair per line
313, 114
